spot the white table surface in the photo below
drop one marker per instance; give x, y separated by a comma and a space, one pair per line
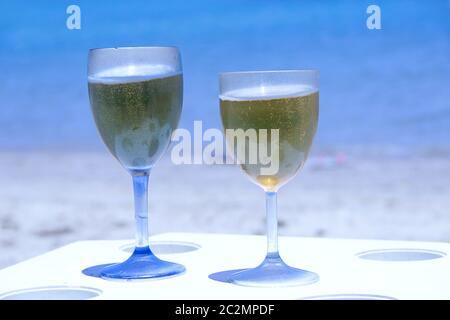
341, 271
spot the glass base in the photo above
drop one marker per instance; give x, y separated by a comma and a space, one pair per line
142, 264
273, 272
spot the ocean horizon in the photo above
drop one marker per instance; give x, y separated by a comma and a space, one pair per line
377, 87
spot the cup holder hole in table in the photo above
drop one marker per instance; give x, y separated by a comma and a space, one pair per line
349, 297
166, 247
52, 293
401, 254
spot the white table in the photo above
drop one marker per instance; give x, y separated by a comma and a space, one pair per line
421, 270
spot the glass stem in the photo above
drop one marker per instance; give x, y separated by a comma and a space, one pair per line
140, 187
272, 225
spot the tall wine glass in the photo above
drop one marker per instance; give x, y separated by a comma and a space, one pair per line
136, 97
285, 105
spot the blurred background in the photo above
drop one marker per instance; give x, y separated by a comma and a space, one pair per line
380, 166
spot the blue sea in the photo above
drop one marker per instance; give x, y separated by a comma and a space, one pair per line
387, 86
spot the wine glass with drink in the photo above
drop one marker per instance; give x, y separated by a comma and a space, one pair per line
276, 113
136, 98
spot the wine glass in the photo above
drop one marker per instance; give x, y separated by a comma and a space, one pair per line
270, 119
136, 98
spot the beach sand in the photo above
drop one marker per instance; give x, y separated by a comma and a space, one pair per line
51, 198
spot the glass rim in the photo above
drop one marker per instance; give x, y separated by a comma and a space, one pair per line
131, 47
312, 71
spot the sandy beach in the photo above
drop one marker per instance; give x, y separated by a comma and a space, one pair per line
51, 198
